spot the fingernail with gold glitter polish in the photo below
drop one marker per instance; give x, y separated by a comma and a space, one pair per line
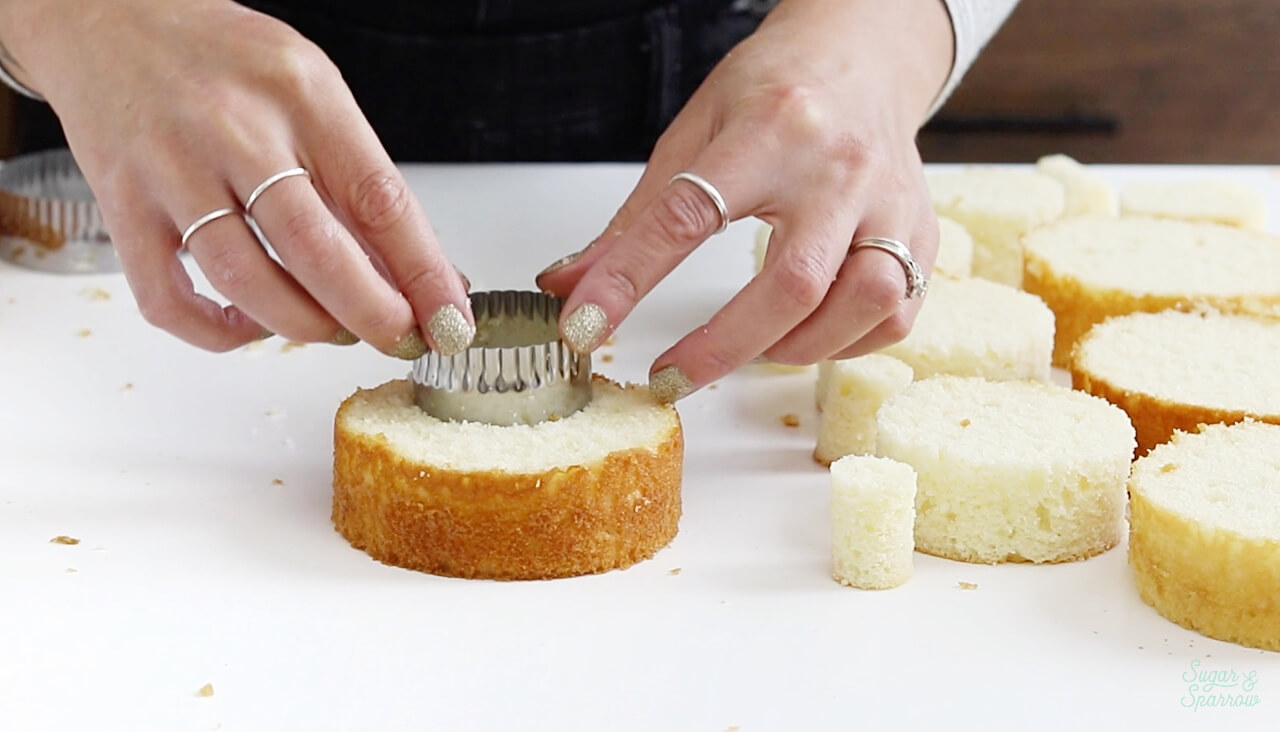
561, 263
344, 337
409, 347
265, 334
584, 327
450, 330
669, 384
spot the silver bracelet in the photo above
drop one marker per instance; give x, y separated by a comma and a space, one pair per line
11, 82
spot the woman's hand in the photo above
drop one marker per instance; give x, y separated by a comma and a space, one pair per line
176, 108
809, 125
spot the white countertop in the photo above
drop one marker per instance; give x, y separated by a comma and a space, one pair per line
198, 486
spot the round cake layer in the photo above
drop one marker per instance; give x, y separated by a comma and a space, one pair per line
1175, 370
975, 327
1196, 199
1010, 470
996, 206
594, 491
1204, 531
1090, 268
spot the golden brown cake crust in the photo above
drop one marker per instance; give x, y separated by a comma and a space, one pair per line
560, 523
1155, 419
1214, 582
1077, 307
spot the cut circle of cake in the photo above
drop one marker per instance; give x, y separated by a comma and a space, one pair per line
1010, 471
996, 206
1214, 200
975, 327
1204, 531
1090, 268
1177, 370
593, 491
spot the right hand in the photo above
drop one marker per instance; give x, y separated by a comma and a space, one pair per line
174, 108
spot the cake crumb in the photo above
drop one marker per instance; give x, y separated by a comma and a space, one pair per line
791, 420
967, 585
965, 422
251, 346
84, 333
674, 572
713, 386
734, 728
291, 345
277, 481
607, 358
96, 294
275, 412
71, 570
128, 386
1168, 468
610, 340
68, 540
206, 690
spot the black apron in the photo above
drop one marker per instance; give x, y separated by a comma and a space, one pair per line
490, 81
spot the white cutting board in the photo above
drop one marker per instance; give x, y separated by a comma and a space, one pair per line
198, 486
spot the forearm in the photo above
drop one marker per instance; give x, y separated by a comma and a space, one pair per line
973, 24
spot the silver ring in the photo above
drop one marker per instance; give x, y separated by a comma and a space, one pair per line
272, 180
213, 215
917, 284
711, 192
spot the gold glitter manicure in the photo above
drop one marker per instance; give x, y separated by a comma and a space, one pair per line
669, 385
450, 330
409, 347
584, 327
344, 337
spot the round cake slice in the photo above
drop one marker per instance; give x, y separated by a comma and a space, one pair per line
1214, 200
1177, 370
976, 327
1204, 531
1010, 471
996, 206
593, 491
1090, 268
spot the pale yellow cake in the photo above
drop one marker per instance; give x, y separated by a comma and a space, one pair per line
1204, 531
872, 513
1010, 471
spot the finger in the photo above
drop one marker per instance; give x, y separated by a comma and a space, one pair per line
238, 267
868, 296
786, 292
372, 197
147, 244
675, 223
323, 258
672, 153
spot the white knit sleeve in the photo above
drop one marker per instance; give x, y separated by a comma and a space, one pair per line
973, 23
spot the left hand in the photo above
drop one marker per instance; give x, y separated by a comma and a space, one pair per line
808, 125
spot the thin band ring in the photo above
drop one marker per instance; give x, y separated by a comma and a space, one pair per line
270, 181
711, 192
213, 215
917, 283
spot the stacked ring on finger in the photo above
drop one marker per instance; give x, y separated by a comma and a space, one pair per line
712, 192
210, 217
270, 181
917, 283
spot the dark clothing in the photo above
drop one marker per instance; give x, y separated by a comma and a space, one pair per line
495, 80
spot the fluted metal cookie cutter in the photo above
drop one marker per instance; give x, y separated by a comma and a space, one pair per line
49, 219
517, 370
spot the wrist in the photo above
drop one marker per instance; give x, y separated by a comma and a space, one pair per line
908, 46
